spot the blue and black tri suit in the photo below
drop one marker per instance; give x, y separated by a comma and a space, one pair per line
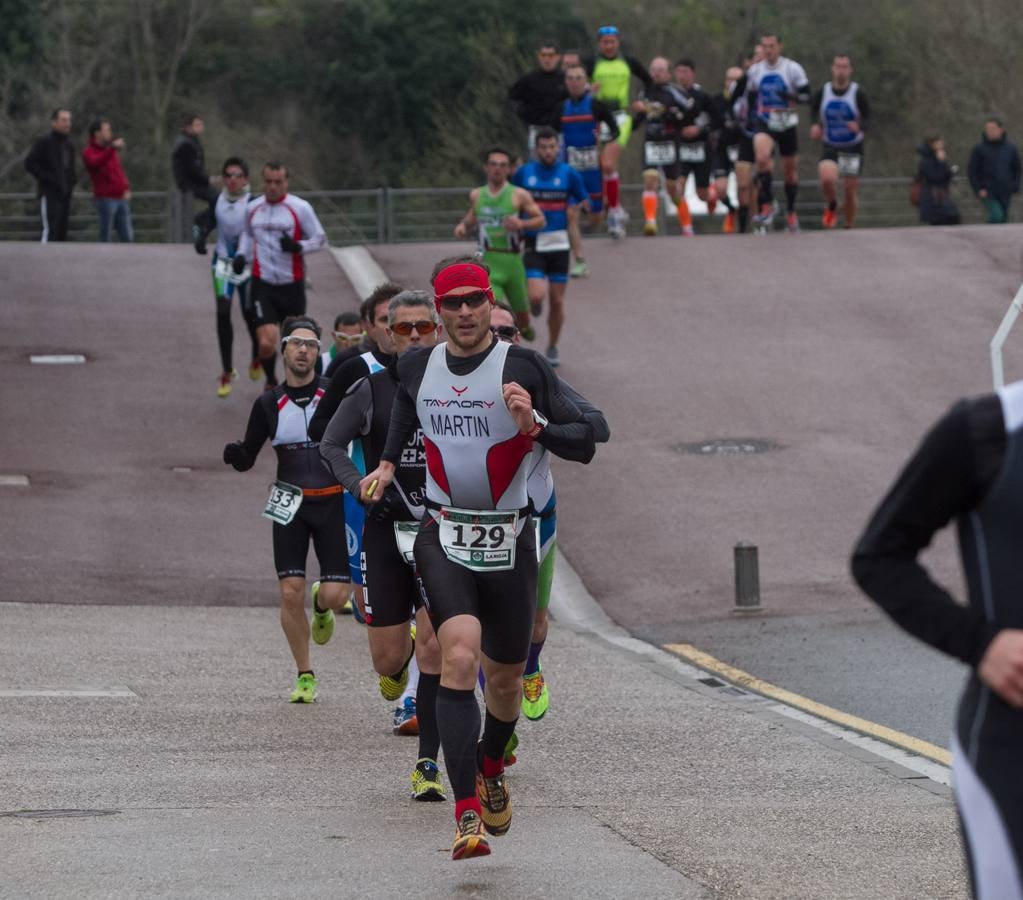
554, 188
580, 127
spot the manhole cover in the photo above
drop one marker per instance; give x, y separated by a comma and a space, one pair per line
728, 447
57, 813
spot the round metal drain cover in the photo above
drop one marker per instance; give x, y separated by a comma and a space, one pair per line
58, 813
728, 447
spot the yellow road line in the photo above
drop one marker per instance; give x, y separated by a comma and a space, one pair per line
744, 679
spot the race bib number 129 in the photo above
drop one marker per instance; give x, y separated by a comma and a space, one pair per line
483, 541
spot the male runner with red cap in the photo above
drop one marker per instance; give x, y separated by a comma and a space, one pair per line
482, 404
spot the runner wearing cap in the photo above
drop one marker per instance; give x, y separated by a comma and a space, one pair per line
482, 405
304, 502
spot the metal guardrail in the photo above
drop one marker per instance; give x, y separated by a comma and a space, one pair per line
400, 215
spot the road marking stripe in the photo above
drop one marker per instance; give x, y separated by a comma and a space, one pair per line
68, 692
751, 682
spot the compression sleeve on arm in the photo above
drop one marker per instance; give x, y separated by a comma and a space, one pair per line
938, 483
257, 432
350, 421
568, 434
403, 422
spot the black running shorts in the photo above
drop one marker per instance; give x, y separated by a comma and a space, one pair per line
323, 520
787, 141
392, 590
273, 303
504, 602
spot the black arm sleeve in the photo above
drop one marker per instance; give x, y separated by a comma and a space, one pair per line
349, 372
803, 93
403, 422
257, 432
946, 477
567, 434
351, 420
863, 104
639, 70
815, 105
593, 416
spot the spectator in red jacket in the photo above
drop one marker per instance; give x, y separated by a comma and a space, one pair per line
110, 188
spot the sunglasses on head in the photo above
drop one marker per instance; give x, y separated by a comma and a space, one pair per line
504, 332
405, 328
473, 301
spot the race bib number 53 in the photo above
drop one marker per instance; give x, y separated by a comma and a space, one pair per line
482, 541
283, 502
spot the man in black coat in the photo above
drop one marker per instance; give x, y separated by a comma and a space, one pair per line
995, 171
537, 95
51, 162
188, 163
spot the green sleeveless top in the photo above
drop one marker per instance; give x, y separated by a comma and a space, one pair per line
613, 77
490, 213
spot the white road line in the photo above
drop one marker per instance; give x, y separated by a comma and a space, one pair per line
117, 691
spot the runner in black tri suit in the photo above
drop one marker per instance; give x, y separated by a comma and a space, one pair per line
968, 468
393, 594
282, 416
481, 405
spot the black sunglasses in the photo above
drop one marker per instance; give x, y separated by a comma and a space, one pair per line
473, 301
507, 332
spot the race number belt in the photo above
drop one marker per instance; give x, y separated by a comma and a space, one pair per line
849, 164
552, 241
692, 153
782, 119
479, 540
405, 536
583, 159
283, 502
222, 270
659, 153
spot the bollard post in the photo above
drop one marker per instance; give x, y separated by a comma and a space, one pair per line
747, 578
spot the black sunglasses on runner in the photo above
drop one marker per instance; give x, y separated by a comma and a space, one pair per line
405, 328
506, 332
473, 301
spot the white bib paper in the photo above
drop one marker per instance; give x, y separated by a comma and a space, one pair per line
849, 164
583, 159
405, 536
782, 119
480, 540
659, 153
692, 153
552, 241
283, 502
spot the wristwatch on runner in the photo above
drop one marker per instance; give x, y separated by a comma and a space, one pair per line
539, 424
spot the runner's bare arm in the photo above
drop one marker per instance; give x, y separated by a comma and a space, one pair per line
535, 219
469, 219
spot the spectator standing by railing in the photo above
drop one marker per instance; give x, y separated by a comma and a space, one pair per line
188, 163
110, 188
51, 162
537, 95
935, 179
995, 171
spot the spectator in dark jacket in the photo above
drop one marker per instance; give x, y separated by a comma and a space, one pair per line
188, 163
110, 189
936, 204
537, 96
51, 162
995, 171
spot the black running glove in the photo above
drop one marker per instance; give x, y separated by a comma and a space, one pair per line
238, 264
236, 455
290, 245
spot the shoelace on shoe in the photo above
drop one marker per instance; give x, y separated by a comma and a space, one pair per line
470, 824
532, 686
496, 799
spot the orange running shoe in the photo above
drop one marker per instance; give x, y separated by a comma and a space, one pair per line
470, 840
495, 801
830, 218
729, 227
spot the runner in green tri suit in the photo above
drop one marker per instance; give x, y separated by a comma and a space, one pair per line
611, 73
502, 212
